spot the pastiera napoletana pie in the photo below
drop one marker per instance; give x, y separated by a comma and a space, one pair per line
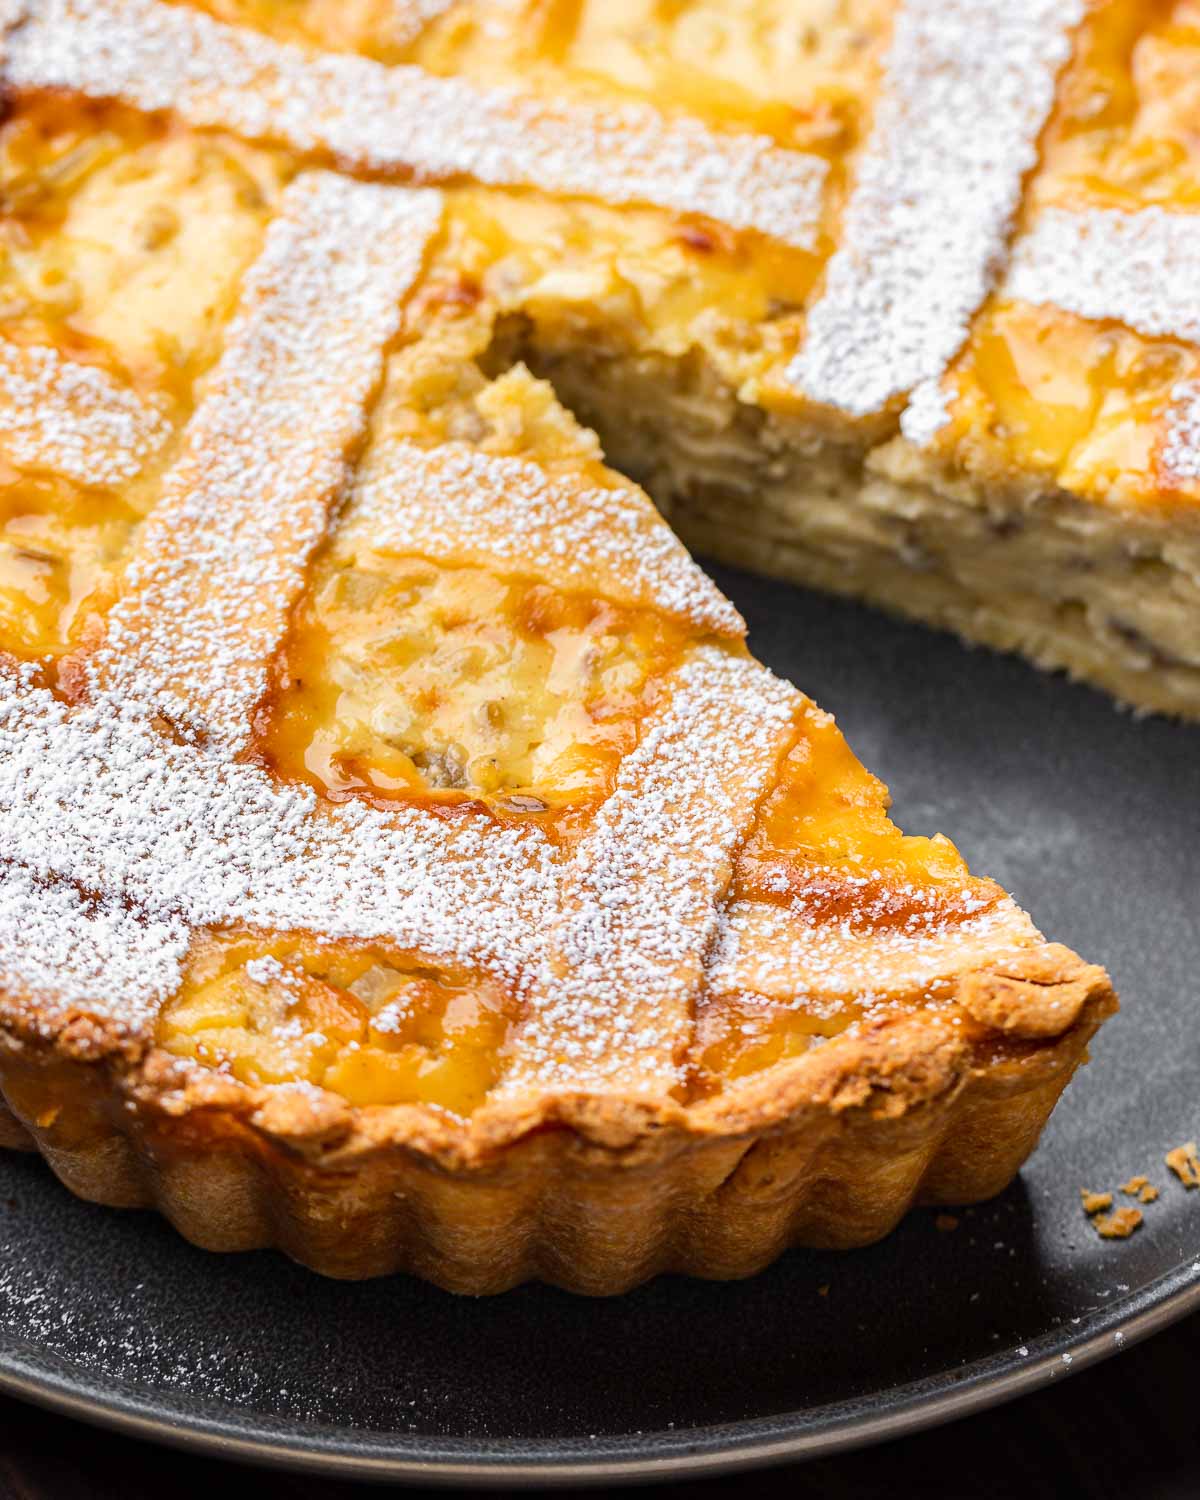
402, 859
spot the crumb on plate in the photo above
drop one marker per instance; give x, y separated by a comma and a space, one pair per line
1185, 1163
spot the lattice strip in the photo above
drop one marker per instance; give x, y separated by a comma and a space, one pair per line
1141, 269
460, 505
405, 120
222, 555
74, 419
767, 950
56, 947
639, 909
967, 87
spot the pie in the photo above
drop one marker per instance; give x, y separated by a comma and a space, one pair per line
403, 861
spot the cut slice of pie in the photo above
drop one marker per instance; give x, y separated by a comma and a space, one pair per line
402, 860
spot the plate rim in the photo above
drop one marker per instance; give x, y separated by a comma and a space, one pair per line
682, 1454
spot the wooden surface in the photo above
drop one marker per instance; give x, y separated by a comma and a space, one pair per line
1128, 1428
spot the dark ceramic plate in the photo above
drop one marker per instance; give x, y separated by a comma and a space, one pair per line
1087, 814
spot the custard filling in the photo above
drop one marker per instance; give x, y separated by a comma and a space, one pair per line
59, 550
126, 237
402, 676
352, 1019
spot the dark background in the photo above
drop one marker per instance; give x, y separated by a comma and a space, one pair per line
1129, 1428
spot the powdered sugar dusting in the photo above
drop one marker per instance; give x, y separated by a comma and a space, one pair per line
177, 835
612, 1000
264, 458
927, 412
403, 119
779, 953
74, 419
128, 822
967, 86
56, 944
95, 798
1179, 455
455, 503
1142, 269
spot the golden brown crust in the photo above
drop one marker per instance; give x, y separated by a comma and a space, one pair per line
1040, 996
591, 1193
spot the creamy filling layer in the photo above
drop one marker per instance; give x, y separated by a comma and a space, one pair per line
1112, 596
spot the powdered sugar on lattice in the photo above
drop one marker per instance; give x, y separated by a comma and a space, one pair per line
59, 948
1179, 456
612, 998
407, 121
1141, 269
75, 419
455, 503
779, 953
967, 86
265, 457
927, 412
101, 801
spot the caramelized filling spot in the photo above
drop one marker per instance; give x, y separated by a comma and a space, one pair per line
1059, 395
352, 1019
403, 676
824, 846
59, 549
738, 1036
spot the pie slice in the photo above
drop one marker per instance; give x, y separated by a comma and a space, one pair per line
404, 862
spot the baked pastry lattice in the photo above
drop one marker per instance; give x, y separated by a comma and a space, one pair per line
403, 860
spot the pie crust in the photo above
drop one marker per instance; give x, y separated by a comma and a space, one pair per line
591, 1194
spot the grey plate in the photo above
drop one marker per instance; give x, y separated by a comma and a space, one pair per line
1088, 815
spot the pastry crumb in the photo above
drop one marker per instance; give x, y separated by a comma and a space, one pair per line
1185, 1163
1118, 1225
945, 1222
1140, 1188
